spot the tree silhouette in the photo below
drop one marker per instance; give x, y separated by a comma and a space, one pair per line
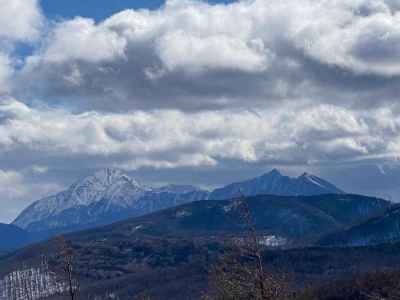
66, 254
240, 272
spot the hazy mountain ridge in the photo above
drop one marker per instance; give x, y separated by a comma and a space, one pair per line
292, 217
382, 228
110, 195
274, 183
12, 237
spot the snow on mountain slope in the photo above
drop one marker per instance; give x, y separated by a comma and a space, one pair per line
275, 183
110, 195
111, 184
107, 196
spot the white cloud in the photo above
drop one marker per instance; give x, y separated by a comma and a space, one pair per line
191, 84
361, 36
8, 188
183, 34
5, 73
179, 50
172, 139
17, 191
20, 20
189, 55
81, 39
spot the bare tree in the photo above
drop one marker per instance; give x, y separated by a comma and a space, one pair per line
30, 283
143, 297
240, 272
66, 254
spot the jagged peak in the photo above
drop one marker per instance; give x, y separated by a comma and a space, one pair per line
108, 171
310, 176
109, 176
273, 172
305, 175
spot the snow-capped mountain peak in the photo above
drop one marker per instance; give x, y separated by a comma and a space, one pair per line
106, 196
104, 183
109, 176
110, 195
320, 183
111, 187
105, 178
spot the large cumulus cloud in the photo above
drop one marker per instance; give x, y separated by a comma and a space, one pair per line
191, 55
359, 36
322, 134
20, 22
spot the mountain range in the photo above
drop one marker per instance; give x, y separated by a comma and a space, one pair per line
274, 183
293, 219
110, 195
102, 198
176, 232
298, 207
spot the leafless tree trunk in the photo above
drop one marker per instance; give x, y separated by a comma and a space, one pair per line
240, 274
30, 283
66, 254
143, 297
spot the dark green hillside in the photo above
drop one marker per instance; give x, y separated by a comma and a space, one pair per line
374, 285
177, 268
348, 208
169, 253
297, 219
272, 215
382, 228
12, 237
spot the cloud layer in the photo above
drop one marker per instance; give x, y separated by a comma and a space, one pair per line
190, 55
5, 72
20, 22
295, 135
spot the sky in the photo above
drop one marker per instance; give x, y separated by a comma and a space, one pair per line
195, 92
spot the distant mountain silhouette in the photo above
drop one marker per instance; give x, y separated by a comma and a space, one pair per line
110, 195
274, 183
12, 237
382, 228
